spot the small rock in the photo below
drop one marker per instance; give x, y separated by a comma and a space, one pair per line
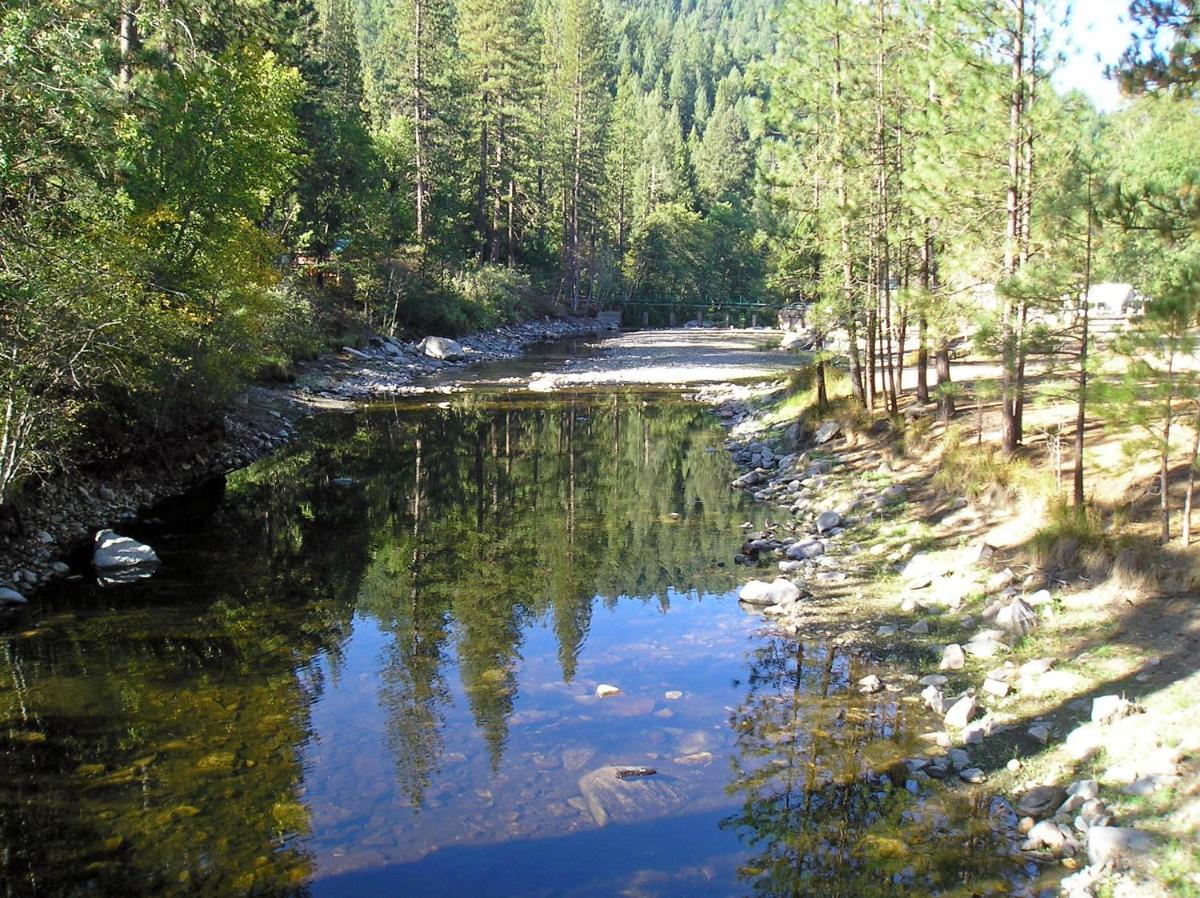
887, 630
1087, 790
826, 432
961, 713
972, 775
1017, 617
1040, 733
805, 549
827, 520
604, 690
959, 759
920, 628
1041, 801
1047, 834
934, 699
999, 581
1108, 708
11, 597
933, 680
997, 688
673, 695
953, 658
870, 684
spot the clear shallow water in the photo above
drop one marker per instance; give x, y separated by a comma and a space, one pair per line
387, 687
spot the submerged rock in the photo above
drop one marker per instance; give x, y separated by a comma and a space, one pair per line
611, 797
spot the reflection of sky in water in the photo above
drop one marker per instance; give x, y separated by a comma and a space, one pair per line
558, 731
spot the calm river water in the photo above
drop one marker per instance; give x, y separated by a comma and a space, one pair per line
386, 685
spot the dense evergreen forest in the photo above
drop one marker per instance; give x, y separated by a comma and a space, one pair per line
195, 193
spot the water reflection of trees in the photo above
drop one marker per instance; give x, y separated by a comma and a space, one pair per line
485, 518
824, 807
151, 738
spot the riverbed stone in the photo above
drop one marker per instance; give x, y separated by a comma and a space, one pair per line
604, 690
610, 798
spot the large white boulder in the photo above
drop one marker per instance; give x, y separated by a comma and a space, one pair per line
113, 551
442, 348
778, 592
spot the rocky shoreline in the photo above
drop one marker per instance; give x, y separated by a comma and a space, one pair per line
66, 509
830, 491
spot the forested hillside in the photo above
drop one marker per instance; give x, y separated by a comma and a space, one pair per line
194, 193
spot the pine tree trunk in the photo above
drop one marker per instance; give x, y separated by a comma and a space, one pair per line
1081, 395
1164, 467
856, 367
512, 228
481, 186
128, 43
945, 400
1191, 481
418, 119
1014, 206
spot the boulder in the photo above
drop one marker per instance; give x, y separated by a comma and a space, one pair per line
628, 799
112, 551
11, 597
442, 348
826, 432
778, 592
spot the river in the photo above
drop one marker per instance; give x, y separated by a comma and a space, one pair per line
369, 665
